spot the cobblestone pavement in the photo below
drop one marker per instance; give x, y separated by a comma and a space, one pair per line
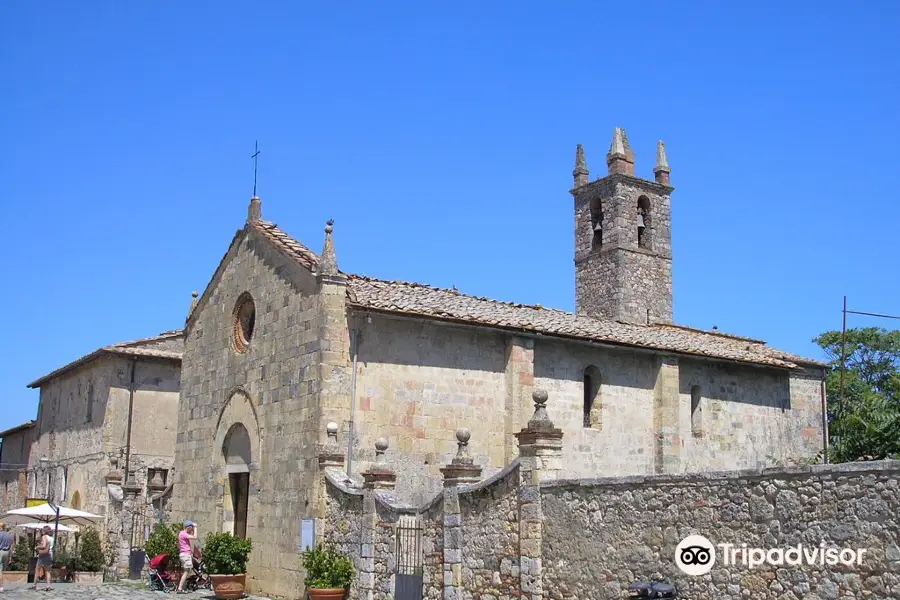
106, 591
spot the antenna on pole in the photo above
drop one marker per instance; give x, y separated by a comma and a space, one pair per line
255, 164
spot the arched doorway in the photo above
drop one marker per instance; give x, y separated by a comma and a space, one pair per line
236, 449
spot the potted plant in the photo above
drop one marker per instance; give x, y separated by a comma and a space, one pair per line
328, 572
226, 561
89, 565
18, 569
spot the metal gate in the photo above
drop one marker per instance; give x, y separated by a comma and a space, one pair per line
139, 534
409, 555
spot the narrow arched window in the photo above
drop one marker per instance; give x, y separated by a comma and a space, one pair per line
592, 405
643, 222
696, 412
596, 224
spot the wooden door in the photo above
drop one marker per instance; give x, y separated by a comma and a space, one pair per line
240, 492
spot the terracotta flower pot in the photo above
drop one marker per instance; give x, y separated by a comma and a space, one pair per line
326, 594
228, 587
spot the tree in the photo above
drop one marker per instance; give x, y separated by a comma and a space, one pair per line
864, 421
91, 555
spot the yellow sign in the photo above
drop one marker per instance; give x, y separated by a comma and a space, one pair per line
29, 502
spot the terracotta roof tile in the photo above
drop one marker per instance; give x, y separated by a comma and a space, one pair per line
417, 299
287, 244
427, 301
165, 345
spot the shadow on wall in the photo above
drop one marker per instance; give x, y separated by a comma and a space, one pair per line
734, 383
295, 276
390, 340
567, 362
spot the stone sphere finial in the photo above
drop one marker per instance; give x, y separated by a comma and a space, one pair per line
194, 294
463, 436
329, 226
331, 428
381, 445
540, 419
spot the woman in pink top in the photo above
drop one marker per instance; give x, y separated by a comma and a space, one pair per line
185, 553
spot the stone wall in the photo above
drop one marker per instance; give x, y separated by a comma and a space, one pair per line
600, 535
433, 548
749, 416
489, 518
16, 448
343, 520
419, 382
271, 389
526, 532
622, 442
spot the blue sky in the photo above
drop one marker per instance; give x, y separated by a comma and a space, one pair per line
441, 140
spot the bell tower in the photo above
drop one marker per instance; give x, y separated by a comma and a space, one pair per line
623, 238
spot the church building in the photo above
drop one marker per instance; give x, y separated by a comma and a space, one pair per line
282, 342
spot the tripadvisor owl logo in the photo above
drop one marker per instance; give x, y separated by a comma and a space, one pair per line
695, 555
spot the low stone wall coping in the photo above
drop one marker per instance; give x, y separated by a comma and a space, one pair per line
389, 500
474, 487
341, 481
855, 468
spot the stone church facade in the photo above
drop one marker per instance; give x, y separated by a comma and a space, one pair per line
283, 342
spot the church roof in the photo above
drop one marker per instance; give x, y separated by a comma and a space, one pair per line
425, 301
416, 299
166, 345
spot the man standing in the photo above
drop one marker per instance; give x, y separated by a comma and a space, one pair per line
6, 542
45, 557
186, 553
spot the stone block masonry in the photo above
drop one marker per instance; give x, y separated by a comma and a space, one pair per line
524, 532
270, 389
629, 528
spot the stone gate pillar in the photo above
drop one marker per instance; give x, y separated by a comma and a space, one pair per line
130, 501
540, 458
462, 469
330, 456
378, 476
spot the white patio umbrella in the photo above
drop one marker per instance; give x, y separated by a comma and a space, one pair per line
42, 525
49, 513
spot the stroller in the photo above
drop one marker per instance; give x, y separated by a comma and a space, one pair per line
165, 573
199, 579
162, 576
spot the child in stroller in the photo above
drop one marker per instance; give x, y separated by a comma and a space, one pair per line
164, 573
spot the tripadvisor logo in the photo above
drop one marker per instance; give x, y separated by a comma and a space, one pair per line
696, 555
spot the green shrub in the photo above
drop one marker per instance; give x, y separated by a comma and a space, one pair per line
21, 554
327, 568
225, 554
163, 540
63, 559
90, 557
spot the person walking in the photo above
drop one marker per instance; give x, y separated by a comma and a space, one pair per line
6, 543
186, 538
45, 557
